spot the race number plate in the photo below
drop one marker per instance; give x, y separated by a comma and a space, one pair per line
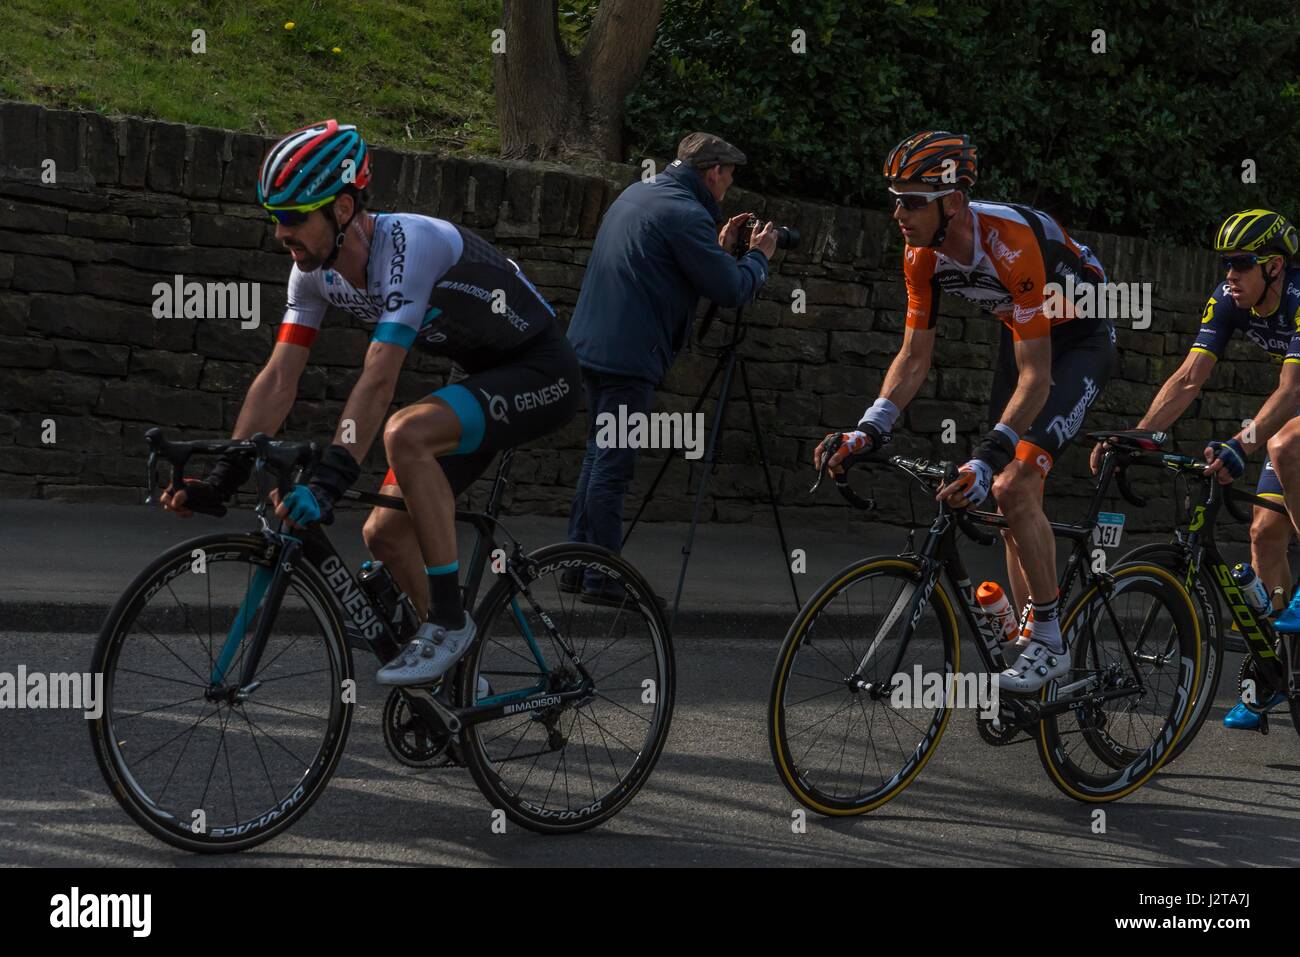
1110, 526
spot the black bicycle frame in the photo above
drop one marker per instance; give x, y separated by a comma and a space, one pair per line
1199, 541
363, 620
939, 552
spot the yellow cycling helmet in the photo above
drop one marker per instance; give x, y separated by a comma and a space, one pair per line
1258, 231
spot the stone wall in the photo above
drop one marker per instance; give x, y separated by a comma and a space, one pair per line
135, 202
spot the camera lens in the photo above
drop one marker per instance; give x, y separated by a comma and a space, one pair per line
787, 237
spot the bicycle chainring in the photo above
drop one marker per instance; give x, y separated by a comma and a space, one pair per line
410, 740
1264, 690
1007, 731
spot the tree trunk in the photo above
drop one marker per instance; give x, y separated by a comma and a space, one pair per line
610, 63
531, 79
550, 104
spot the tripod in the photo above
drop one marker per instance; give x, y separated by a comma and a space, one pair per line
727, 362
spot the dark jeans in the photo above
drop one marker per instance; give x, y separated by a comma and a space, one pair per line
597, 513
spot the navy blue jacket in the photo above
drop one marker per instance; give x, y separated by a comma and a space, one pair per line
655, 255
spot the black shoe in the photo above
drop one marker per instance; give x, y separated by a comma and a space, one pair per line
571, 580
615, 597
609, 594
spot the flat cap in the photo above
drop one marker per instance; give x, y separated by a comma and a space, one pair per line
702, 150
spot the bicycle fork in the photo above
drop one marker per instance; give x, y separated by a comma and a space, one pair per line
910, 602
267, 591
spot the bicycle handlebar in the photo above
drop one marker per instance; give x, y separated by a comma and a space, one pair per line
1234, 500
280, 458
938, 473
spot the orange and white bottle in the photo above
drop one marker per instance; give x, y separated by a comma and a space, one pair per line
993, 602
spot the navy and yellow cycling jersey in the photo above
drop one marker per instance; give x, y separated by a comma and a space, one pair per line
1277, 334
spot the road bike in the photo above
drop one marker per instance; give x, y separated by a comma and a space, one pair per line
844, 741
1270, 665
229, 686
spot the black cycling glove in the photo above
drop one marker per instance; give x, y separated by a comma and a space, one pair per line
335, 473
996, 450
210, 495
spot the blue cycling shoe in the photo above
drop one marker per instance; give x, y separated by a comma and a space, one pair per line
1242, 718
1288, 623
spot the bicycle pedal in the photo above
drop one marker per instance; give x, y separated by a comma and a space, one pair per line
1263, 723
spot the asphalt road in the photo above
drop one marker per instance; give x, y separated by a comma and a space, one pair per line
714, 799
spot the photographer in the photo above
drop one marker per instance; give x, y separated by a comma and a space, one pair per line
658, 251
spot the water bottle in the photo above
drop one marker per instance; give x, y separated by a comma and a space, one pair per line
380, 586
1254, 590
993, 602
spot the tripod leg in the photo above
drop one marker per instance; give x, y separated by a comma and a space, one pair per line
668, 459
710, 449
767, 474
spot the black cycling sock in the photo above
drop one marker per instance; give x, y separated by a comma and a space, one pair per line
1045, 610
444, 595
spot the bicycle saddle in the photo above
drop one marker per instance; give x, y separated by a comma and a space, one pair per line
1135, 439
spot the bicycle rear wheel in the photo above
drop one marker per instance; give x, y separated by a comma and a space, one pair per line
194, 761
1118, 735
841, 747
1210, 619
573, 766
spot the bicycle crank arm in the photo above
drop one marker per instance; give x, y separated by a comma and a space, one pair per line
1060, 706
433, 711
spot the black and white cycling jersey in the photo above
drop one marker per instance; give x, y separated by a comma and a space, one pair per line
430, 285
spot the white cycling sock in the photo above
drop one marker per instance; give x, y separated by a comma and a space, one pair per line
1045, 627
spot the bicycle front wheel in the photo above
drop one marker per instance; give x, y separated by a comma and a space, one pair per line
1127, 711
196, 760
571, 766
842, 740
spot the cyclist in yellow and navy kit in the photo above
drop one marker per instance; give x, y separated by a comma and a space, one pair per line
1259, 297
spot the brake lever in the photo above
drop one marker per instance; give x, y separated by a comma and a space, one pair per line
151, 479
830, 445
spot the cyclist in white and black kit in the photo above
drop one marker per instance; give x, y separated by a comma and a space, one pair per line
422, 283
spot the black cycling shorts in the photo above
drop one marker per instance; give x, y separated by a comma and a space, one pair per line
1083, 361
531, 393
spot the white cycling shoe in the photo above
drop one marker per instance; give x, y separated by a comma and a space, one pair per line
429, 655
1036, 666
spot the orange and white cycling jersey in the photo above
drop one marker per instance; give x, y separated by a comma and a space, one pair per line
1018, 251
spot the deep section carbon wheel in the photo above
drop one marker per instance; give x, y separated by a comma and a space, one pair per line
565, 767
1129, 711
195, 759
843, 742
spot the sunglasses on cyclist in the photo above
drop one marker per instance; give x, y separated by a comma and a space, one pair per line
297, 215
1244, 262
915, 201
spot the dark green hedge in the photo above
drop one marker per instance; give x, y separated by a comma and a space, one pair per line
1145, 139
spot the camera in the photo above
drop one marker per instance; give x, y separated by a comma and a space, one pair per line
787, 237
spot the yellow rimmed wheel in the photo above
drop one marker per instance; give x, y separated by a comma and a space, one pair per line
848, 729
1122, 730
